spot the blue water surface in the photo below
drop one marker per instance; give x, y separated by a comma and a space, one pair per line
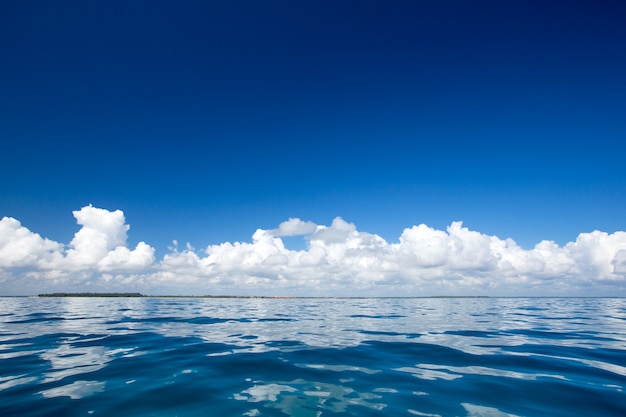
312, 357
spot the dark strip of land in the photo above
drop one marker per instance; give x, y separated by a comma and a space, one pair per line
136, 294
93, 294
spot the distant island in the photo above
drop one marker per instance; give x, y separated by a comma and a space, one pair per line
137, 295
92, 294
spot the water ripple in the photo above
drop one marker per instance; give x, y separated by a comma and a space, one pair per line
312, 357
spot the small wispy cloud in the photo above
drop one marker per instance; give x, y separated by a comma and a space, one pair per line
294, 227
338, 260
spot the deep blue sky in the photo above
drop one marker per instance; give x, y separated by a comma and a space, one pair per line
205, 120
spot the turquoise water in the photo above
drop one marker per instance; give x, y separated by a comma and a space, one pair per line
312, 357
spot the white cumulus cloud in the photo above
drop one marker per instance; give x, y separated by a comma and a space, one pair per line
19, 247
29, 260
339, 260
102, 232
294, 227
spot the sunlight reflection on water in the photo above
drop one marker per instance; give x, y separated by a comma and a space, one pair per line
312, 357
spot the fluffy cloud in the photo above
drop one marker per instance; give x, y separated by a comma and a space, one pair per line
19, 247
102, 232
294, 227
99, 246
338, 260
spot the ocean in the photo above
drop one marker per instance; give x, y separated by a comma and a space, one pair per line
312, 357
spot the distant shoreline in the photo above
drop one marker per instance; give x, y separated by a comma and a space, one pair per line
280, 297
139, 295
92, 294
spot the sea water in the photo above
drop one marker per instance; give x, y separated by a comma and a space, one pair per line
312, 357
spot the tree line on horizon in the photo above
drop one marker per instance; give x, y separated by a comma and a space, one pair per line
93, 294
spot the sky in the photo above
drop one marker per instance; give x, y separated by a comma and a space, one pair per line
330, 148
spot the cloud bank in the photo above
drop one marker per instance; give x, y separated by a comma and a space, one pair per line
339, 260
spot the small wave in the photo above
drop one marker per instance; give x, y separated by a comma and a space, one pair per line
419, 357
